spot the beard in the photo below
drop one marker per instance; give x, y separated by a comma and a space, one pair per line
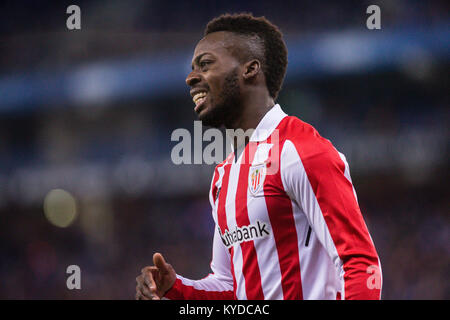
228, 109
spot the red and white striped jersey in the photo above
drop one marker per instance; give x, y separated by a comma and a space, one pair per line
288, 224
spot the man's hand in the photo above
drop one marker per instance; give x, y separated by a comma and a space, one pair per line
156, 280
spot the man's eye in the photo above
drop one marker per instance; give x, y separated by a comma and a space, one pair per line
204, 63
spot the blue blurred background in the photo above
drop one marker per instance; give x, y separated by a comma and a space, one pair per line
86, 118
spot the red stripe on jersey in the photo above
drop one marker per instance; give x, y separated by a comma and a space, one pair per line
250, 268
282, 221
221, 213
215, 179
334, 193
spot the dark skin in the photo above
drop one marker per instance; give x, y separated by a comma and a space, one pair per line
216, 56
154, 281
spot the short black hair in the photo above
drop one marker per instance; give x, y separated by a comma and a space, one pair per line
275, 52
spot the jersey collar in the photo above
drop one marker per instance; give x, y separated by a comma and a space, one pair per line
268, 124
265, 127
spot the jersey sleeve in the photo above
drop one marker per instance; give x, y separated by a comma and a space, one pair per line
316, 176
218, 285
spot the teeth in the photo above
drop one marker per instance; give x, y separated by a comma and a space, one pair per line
199, 96
199, 101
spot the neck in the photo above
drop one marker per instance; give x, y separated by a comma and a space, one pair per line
254, 110
254, 107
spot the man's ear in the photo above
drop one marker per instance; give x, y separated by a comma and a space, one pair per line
251, 69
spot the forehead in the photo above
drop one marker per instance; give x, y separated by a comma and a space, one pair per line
218, 43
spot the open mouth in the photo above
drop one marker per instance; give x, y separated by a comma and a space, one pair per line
199, 99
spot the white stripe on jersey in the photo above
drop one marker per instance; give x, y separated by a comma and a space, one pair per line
292, 168
270, 277
230, 209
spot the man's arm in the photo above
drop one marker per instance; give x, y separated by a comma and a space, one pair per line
162, 281
218, 285
317, 177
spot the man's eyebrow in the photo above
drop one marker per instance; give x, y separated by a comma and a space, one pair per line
197, 59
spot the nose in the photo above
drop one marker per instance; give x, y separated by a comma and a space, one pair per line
192, 78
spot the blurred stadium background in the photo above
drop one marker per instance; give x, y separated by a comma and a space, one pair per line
86, 118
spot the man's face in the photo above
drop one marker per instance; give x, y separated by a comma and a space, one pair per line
214, 80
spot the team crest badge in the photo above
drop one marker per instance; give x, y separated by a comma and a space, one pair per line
256, 178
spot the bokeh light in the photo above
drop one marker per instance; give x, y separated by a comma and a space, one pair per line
60, 208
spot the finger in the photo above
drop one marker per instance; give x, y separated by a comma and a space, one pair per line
139, 279
157, 274
149, 289
148, 294
139, 296
146, 287
147, 269
142, 297
148, 279
143, 270
144, 293
160, 263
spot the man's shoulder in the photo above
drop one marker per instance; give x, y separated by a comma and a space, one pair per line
297, 130
303, 137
